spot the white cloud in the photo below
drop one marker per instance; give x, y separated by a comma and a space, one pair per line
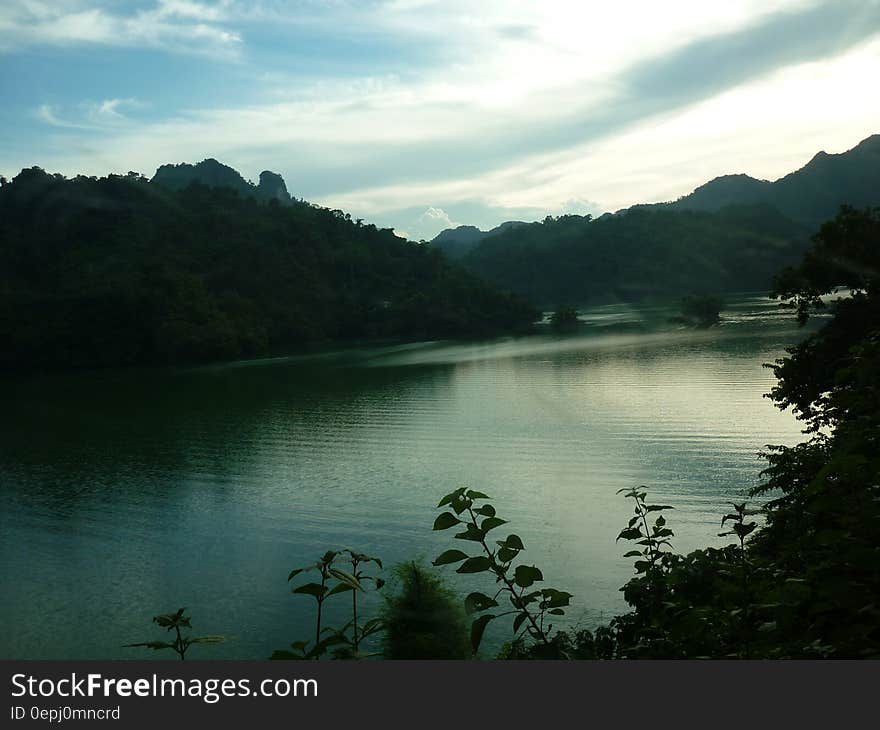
49, 114
432, 221
173, 25
110, 110
496, 111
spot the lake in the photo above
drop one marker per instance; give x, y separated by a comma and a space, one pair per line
131, 493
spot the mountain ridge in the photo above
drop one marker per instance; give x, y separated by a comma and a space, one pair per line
215, 174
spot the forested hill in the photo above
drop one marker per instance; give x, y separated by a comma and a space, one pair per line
640, 253
456, 242
217, 175
731, 234
120, 270
810, 195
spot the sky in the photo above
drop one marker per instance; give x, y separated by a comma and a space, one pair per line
421, 115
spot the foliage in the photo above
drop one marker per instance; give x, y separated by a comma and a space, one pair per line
639, 253
806, 583
531, 609
333, 582
424, 619
702, 310
564, 317
180, 643
120, 271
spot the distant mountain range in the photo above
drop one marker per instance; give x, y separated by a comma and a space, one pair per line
733, 233
456, 242
810, 195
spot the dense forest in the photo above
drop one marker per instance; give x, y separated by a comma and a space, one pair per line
731, 234
640, 253
121, 270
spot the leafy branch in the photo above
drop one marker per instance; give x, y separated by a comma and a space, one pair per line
180, 644
530, 609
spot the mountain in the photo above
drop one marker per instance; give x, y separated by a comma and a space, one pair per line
733, 233
456, 242
121, 270
638, 253
214, 174
809, 195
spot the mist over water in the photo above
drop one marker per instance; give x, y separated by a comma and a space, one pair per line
129, 493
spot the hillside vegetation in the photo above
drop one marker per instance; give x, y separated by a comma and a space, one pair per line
120, 270
640, 253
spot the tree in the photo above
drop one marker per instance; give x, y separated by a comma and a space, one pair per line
702, 310
564, 317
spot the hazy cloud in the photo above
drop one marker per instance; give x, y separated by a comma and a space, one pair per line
172, 25
438, 112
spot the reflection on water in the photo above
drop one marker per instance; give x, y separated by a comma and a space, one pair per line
130, 493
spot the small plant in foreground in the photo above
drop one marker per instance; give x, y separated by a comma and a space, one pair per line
174, 622
742, 530
653, 539
424, 619
335, 581
530, 608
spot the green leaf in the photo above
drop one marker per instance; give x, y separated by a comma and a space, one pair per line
215, 639
155, 645
345, 577
517, 622
471, 494
295, 572
446, 520
450, 556
556, 612
282, 654
172, 620
556, 598
633, 554
525, 599
490, 523
478, 602
477, 629
474, 565
505, 554
452, 495
329, 557
340, 588
487, 510
630, 533
526, 575
513, 542
471, 533
657, 507
312, 589
460, 504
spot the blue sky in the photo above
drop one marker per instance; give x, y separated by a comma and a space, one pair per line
419, 115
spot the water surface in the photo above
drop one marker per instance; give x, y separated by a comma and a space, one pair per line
129, 493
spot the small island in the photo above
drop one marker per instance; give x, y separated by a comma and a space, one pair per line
700, 310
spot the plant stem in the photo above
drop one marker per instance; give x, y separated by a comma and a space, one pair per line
320, 606
354, 605
510, 587
180, 650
